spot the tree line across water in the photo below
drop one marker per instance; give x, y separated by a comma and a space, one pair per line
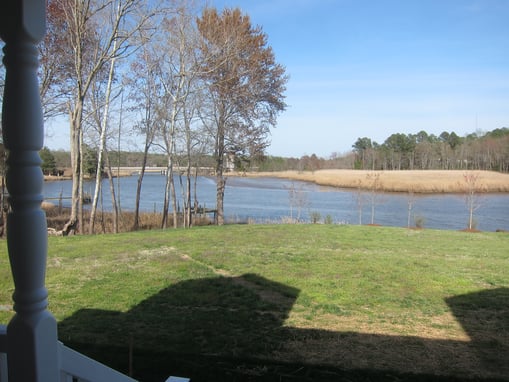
422, 151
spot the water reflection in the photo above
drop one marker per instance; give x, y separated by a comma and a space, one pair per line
273, 200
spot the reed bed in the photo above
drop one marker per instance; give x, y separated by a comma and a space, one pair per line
418, 181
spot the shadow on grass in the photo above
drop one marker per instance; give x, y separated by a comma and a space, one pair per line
232, 329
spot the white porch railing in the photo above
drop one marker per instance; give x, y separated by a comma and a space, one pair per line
74, 366
3, 353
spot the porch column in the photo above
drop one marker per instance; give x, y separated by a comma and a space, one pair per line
32, 333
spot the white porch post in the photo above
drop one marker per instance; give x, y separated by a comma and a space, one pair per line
32, 333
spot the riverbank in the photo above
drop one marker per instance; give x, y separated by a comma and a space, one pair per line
418, 181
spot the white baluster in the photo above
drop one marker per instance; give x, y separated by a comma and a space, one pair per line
32, 333
3, 354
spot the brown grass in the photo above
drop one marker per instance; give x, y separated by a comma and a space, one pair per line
57, 217
419, 181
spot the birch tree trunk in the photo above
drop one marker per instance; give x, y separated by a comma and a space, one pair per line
102, 142
139, 184
112, 191
169, 194
188, 212
72, 225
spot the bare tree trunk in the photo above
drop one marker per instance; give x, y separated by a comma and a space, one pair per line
174, 200
80, 183
220, 188
472, 199
169, 139
374, 178
166, 202
112, 192
72, 225
220, 179
196, 204
359, 199
138, 189
116, 198
3, 205
169, 194
410, 206
189, 209
102, 143
149, 138
187, 200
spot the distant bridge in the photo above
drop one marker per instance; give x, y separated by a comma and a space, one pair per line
127, 171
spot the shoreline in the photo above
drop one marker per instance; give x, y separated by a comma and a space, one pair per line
416, 181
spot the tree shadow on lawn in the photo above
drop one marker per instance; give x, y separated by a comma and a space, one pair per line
232, 329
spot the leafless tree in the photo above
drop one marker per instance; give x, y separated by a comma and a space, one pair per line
360, 199
93, 33
473, 188
55, 60
411, 199
245, 88
128, 17
188, 93
174, 80
145, 91
298, 199
375, 185
87, 63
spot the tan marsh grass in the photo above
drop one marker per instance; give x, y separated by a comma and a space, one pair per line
419, 181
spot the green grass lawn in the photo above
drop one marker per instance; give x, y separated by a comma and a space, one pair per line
383, 300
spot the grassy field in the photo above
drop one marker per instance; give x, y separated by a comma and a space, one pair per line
283, 302
421, 181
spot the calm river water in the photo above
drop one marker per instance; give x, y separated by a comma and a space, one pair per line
268, 200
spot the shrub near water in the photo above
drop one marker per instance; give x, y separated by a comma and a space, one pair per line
57, 218
353, 297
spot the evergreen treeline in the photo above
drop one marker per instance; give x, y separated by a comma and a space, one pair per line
423, 151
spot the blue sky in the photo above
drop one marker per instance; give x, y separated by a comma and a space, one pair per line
371, 68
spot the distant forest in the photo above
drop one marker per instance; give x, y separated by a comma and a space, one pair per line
424, 151
421, 151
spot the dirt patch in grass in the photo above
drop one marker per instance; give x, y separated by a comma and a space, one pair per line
245, 281
442, 327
